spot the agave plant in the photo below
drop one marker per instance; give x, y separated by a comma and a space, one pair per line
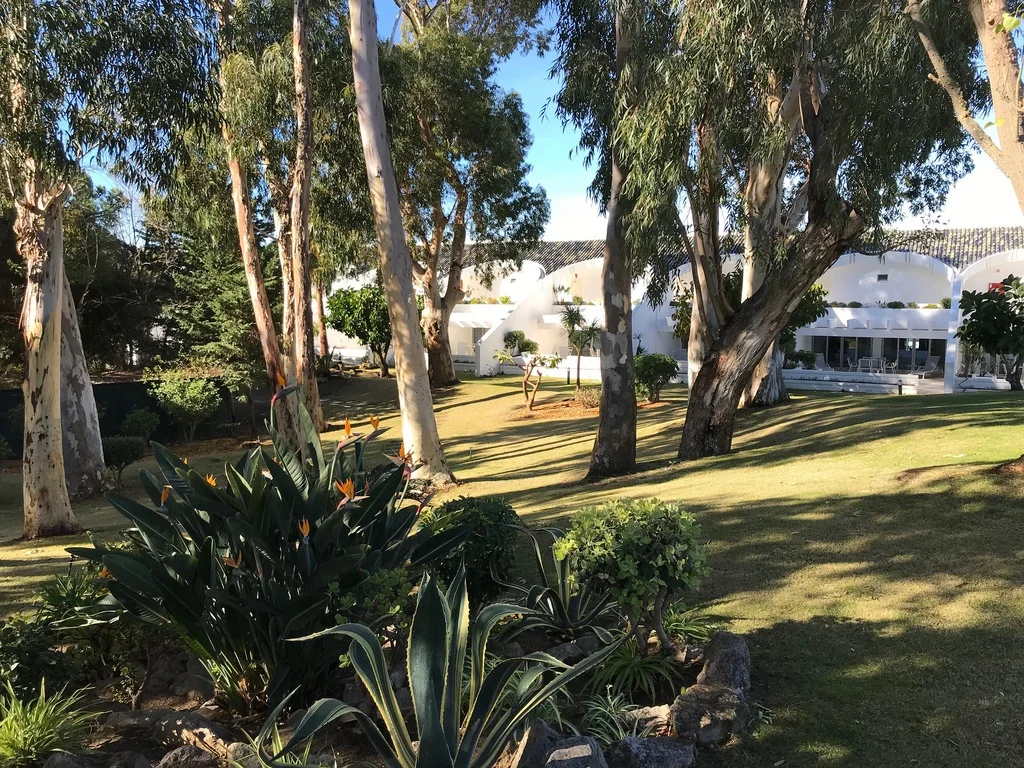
564, 605
454, 730
238, 569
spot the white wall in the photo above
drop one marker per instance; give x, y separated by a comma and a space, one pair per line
911, 278
515, 285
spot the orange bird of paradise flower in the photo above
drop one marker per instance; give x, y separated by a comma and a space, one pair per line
304, 528
346, 489
211, 481
280, 380
232, 563
165, 494
374, 422
348, 427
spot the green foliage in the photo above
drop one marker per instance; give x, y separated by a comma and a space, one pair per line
642, 551
362, 313
895, 305
453, 729
64, 594
854, 305
385, 601
238, 569
605, 718
652, 372
30, 731
802, 356
946, 302
629, 672
565, 605
187, 398
690, 624
28, 655
489, 552
516, 343
994, 321
140, 422
120, 452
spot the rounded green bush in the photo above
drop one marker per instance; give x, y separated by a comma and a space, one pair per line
653, 372
642, 551
493, 540
120, 452
140, 422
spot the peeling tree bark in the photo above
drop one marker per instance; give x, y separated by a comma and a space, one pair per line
80, 423
615, 446
302, 298
419, 429
38, 229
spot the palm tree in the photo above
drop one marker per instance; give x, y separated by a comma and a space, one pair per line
572, 321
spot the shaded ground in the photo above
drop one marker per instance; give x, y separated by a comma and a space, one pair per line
866, 544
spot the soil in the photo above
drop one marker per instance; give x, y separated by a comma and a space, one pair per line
567, 408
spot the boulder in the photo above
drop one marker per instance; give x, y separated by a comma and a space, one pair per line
126, 760
193, 686
242, 754
727, 663
576, 650
654, 718
533, 749
94, 759
172, 728
65, 760
189, 756
578, 752
708, 714
658, 752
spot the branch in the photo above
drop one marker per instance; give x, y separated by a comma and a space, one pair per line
944, 80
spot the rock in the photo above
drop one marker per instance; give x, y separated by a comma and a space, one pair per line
655, 718
173, 729
533, 749
578, 752
189, 756
727, 663
292, 721
511, 650
127, 760
571, 652
404, 698
659, 752
65, 760
708, 714
241, 754
195, 687
398, 676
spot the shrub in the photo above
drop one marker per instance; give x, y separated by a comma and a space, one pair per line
606, 719
238, 569
189, 400
140, 422
946, 302
28, 655
855, 305
653, 372
588, 397
911, 305
644, 552
120, 452
31, 731
490, 549
895, 305
451, 719
629, 671
64, 594
504, 299
838, 304
801, 356
690, 624
566, 605
516, 343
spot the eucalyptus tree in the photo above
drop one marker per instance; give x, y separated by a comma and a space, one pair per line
92, 80
996, 24
807, 121
461, 160
419, 427
606, 50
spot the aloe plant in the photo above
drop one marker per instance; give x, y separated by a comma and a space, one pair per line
564, 605
455, 729
240, 568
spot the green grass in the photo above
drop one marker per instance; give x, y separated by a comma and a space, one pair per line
864, 544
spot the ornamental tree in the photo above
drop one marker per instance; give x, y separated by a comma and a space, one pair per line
994, 321
362, 313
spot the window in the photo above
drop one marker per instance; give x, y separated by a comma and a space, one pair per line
883, 278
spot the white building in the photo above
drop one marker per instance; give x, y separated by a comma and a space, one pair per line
926, 276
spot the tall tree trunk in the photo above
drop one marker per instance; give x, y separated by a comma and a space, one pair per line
39, 235
277, 375
436, 314
766, 386
419, 429
280, 205
80, 422
319, 314
615, 447
302, 299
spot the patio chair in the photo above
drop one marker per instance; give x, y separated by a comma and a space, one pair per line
930, 366
851, 361
462, 350
820, 364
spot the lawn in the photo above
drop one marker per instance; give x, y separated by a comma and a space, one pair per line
865, 545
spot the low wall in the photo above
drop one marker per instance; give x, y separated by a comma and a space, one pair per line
850, 381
